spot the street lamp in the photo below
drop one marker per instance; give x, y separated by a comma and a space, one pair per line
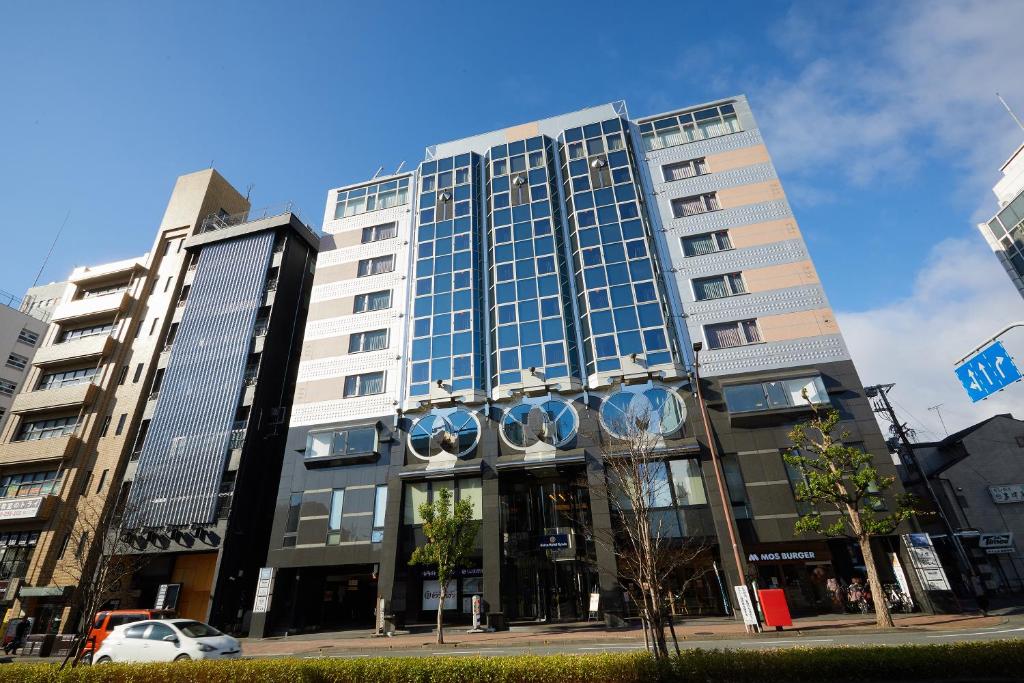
726, 503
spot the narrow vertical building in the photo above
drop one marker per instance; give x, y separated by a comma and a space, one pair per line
1005, 231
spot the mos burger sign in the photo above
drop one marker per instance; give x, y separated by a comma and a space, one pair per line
777, 557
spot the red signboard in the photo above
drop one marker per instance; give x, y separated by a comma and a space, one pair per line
773, 604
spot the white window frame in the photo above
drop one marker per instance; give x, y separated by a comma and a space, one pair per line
381, 231
28, 337
716, 237
359, 381
697, 166
370, 263
708, 200
358, 339
17, 361
365, 298
740, 325
728, 279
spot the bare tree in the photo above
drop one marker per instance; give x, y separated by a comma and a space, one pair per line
653, 554
98, 558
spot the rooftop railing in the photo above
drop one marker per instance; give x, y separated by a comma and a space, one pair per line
216, 222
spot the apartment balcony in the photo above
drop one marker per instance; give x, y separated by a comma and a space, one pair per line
92, 306
42, 450
50, 399
106, 271
98, 345
27, 508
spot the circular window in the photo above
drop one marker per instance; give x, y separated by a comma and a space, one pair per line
553, 422
656, 410
454, 434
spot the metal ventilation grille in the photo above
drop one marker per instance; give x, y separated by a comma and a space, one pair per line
182, 461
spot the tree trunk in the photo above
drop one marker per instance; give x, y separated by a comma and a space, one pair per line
882, 617
657, 626
440, 615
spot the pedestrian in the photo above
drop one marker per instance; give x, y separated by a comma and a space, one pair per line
20, 631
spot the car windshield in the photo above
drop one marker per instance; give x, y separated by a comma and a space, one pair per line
197, 629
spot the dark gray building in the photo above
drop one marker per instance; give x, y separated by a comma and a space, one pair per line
208, 453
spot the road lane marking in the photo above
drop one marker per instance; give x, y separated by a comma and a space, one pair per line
615, 647
794, 640
465, 652
977, 633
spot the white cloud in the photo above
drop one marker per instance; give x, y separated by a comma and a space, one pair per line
960, 297
903, 84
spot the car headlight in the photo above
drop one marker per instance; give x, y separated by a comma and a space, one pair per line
203, 647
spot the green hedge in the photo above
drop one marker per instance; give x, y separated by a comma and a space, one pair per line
991, 660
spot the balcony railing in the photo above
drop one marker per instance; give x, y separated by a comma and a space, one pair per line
271, 284
216, 222
260, 328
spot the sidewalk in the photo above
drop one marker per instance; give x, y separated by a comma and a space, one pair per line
583, 632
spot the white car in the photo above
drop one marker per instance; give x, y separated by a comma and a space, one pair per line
166, 640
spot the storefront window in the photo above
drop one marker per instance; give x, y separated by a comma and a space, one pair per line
688, 483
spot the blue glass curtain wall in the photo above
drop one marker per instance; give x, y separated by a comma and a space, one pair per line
447, 310
530, 298
620, 302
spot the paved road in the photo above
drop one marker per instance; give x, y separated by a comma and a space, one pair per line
1010, 630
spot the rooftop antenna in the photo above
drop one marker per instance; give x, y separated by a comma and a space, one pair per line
400, 166
1010, 112
248, 191
939, 413
379, 169
52, 245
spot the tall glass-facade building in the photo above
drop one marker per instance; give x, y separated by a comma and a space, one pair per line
489, 328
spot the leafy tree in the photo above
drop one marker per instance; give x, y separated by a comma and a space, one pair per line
845, 479
450, 532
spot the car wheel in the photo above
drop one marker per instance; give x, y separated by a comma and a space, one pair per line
183, 658
104, 660
86, 659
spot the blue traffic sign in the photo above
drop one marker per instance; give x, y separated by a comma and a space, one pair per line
987, 371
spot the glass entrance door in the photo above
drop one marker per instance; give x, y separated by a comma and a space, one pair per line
548, 564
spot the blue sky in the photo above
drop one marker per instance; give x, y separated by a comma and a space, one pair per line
881, 118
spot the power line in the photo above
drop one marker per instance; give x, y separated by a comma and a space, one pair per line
52, 245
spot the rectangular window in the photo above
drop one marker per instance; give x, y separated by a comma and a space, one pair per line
707, 243
120, 424
102, 481
684, 169
106, 425
29, 484
376, 265
78, 333
416, 494
7, 387
103, 291
687, 482
291, 524
152, 326
46, 429
473, 491
365, 384
374, 301
27, 336
691, 206
138, 373
83, 543
16, 361
376, 233
374, 340
718, 286
380, 505
372, 198
679, 129
351, 441
735, 485
727, 335
66, 378
787, 393
123, 376
796, 477
337, 504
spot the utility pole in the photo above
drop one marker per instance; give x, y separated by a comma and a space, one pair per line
723, 496
880, 392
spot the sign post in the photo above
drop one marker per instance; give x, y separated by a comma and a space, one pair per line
746, 607
264, 590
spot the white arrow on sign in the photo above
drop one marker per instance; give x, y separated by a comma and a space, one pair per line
999, 363
984, 371
974, 381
